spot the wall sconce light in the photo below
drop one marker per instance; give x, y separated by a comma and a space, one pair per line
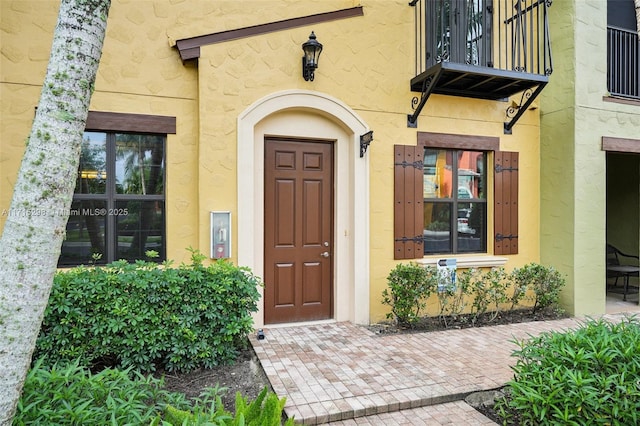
312, 49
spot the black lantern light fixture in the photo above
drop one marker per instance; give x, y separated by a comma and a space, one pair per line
312, 49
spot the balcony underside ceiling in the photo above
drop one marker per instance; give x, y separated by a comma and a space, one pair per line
453, 79
476, 82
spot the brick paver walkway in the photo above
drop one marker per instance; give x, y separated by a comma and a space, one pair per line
344, 374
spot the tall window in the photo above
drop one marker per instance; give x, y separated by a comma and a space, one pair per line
118, 209
455, 203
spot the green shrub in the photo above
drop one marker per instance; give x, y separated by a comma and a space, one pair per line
489, 290
69, 394
546, 283
486, 292
409, 286
149, 317
265, 410
588, 376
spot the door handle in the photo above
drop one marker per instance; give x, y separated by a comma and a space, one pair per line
325, 254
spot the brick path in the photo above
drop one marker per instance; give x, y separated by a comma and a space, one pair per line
344, 374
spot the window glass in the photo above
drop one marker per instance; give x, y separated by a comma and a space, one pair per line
472, 227
85, 233
92, 171
140, 226
437, 173
437, 227
471, 174
455, 221
139, 164
621, 14
119, 205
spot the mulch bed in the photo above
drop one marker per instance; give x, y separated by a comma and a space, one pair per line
437, 323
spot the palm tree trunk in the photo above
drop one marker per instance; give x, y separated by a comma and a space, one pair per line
35, 227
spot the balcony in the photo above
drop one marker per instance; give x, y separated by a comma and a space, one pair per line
623, 79
484, 49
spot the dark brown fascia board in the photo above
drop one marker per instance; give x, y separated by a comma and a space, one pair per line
123, 122
625, 101
620, 145
189, 48
447, 140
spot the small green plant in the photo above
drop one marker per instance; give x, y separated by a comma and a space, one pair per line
587, 376
451, 297
265, 410
546, 283
70, 394
409, 287
497, 281
519, 289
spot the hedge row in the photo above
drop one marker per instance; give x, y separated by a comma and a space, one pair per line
148, 317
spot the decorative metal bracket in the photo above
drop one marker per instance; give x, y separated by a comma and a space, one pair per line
365, 140
500, 237
515, 111
419, 239
500, 169
416, 164
428, 85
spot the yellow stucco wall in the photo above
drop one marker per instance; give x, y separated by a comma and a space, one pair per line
368, 70
366, 64
139, 73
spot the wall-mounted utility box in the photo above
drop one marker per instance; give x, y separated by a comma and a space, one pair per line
220, 235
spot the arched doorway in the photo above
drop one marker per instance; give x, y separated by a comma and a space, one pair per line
308, 115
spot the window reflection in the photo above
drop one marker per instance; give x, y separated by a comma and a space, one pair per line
454, 220
139, 164
437, 173
85, 233
118, 205
470, 174
437, 232
472, 227
140, 228
92, 172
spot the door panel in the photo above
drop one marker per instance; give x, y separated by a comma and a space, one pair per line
298, 230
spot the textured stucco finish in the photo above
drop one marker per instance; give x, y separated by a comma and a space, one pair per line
139, 73
574, 119
366, 65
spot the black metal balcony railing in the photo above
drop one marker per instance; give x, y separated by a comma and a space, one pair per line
623, 78
502, 34
487, 49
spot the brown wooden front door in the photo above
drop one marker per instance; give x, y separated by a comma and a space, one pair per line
298, 230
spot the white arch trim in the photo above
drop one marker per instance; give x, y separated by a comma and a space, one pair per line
351, 267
